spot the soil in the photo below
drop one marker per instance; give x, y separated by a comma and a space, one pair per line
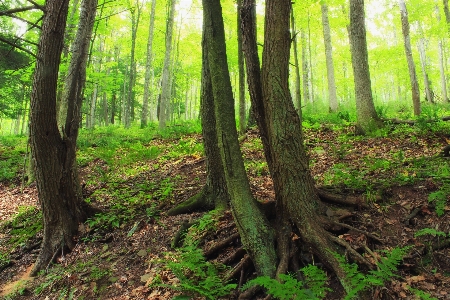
134, 260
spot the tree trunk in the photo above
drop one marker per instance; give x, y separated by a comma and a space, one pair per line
53, 154
295, 193
148, 81
447, 13
305, 67
367, 118
165, 81
256, 234
129, 108
242, 109
329, 58
442, 73
423, 61
298, 96
411, 66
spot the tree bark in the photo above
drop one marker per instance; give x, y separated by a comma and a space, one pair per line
256, 234
297, 93
129, 108
411, 66
305, 67
165, 81
296, 197
242, 109
148, 81
333, 103
367, 118
53, 154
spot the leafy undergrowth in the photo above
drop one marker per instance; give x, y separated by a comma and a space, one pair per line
135, 175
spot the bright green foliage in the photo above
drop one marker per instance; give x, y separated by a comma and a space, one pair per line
12, 152
358, 282
289, 288
25, 225
440, 198
207, 223
421, 294
431, 231
197, 276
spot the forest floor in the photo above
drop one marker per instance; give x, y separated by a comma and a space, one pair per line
120, 252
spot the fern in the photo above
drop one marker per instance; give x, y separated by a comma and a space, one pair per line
430, 231
290, 288
421, 294
196, 275
440, 198
357, 282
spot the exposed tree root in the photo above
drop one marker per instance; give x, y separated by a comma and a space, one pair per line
237, 269
218, 246
339, 199
358, 230
236, 255
200, 201
352, 251
412, 215
178, 239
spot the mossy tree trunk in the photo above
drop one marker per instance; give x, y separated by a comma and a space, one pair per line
297, 200
256, 234
54, 152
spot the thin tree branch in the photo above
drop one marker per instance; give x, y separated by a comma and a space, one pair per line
26, 41
23, 20
37, 5
16, 10
17, 46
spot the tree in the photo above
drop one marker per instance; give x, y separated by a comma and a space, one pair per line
367, 118
333, 103
54, 152
165, 80
129, 108
408, 51
297, 201
256, 234
148, 67
242, 109
297, 94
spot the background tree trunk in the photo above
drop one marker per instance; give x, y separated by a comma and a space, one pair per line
129, 108
242, 109
148, 81
165, 81
297, 93
367, 118
411, 66
305, 67
329, 58
256, 234
53, 154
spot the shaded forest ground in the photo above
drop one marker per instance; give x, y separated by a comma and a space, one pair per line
135, 176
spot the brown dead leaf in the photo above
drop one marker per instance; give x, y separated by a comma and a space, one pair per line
414, 279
